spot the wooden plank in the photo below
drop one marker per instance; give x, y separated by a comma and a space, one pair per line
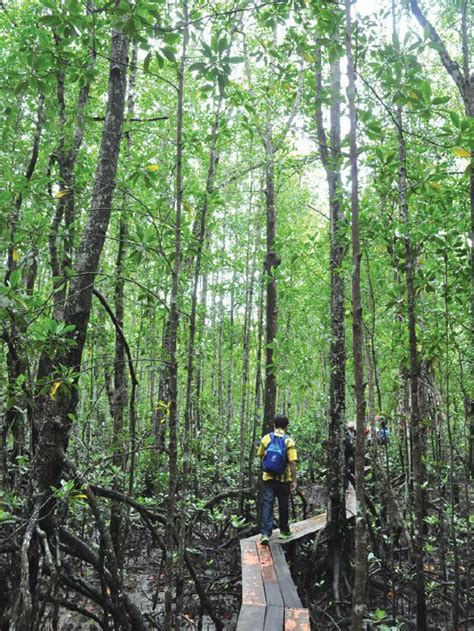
351, 507
253, 592
306, 527
266, 579
274, 619
270, 581
251, 617
298, 530
313, 524
297, 620
287, 587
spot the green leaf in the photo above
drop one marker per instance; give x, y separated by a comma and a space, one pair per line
169, 53
222, 82
50, 20
129, 27
207, 52
379, 614
222, 44
6, 517
15, 278
455, 119
441, 100
198, 67
146, 62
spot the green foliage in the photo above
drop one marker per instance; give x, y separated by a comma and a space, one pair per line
243, 67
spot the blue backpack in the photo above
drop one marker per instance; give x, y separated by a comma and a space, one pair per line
274, 460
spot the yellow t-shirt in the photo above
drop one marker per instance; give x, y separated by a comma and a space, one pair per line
291, 456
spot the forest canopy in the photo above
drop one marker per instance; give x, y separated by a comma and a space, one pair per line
213, 213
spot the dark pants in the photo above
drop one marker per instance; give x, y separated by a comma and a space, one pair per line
280, 490
349, 472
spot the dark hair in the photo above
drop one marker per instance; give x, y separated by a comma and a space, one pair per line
281, 422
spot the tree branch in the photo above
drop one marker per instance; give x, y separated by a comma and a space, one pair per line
118, 328
153, 119
451, 66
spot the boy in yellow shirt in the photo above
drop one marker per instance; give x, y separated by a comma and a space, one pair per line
278, 453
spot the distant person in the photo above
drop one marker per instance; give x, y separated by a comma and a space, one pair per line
351, 432
278, 453
349, 442
383, 435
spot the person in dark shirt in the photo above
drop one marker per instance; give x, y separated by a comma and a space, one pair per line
349, 443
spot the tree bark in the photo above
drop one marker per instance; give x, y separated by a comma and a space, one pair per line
464, 80
13, 333
120, 390
415, 417
244, 416
359, 597
169, 621
271, 263
331, 158
54, 413
66, 155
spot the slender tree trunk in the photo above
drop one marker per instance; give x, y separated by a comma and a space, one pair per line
66, 155
229, 407
53, 413
213, 160
13, 332
415, 417
271, 263
244, 416
453, 524
187, 453
161, 410
200, 380
331, 159
463, 77
258, 382
120, 390
359, 597
173, 338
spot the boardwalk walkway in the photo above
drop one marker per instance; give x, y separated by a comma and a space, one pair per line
270, 601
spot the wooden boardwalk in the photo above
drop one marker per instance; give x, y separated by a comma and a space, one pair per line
270, 601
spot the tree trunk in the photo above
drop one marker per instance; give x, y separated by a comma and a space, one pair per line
211, 171
13, 333
415, 418
258, 385
271, 263
359, 597
120, 390
464, 80
53, 412
169, 622
244, 416
66, 155
187, 453
331, 159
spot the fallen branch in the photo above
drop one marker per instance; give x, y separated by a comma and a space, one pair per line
23, 607
248, 492
71, 607
153, 119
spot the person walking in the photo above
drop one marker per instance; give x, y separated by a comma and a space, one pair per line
349, 444
277, 451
